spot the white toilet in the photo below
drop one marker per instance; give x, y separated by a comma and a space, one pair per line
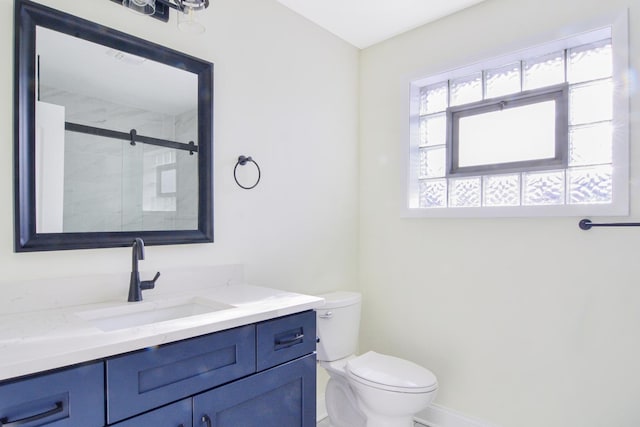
371, 390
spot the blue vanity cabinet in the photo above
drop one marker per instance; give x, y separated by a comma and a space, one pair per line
258, 375
70, 397
283, 396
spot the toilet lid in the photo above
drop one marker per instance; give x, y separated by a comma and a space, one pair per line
391, 373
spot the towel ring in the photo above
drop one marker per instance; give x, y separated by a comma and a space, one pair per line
243, 160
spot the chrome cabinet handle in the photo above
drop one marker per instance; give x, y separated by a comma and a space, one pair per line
206, 419
4, 422
327, 315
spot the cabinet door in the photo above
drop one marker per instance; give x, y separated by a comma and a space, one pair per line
175, 415
284, 396
71, 398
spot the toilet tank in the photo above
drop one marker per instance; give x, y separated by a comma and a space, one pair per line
338, 322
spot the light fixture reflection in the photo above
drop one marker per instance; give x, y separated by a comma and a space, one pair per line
188, 12
188, 19
144, 7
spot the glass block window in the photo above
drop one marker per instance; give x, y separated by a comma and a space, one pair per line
583, 176
465, 89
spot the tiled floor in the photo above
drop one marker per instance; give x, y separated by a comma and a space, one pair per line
325, 423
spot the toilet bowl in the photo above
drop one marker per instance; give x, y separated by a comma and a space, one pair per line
370, 390
340, 399
390, 390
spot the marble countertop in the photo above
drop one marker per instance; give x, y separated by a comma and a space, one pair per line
48, 339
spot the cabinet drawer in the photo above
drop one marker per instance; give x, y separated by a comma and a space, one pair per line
147, 379
175, 415
73, 397
285, 338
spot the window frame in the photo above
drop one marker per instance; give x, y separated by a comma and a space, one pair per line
614, 26
558, 93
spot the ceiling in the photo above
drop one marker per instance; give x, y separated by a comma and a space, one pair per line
366, 22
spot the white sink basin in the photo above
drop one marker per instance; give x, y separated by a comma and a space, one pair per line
145, 313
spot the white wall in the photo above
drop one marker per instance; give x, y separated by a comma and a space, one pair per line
286, 94
525, 322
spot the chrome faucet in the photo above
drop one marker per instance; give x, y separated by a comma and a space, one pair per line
135, 285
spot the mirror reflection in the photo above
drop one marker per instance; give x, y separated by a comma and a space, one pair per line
116, 146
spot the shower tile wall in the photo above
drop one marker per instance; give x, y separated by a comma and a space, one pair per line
186, 128
104, 183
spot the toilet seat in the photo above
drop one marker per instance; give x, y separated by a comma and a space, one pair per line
390, 373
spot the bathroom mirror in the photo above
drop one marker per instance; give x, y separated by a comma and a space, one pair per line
113, 137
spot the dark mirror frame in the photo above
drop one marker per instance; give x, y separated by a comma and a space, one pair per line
28, 15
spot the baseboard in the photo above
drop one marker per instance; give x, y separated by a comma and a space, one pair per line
439, 416
434, 416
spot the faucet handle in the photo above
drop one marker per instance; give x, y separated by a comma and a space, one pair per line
149, 284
